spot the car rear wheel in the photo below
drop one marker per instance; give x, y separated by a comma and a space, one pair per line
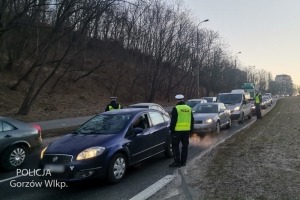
242, 119
169, 148
117, 168
218, 128
14, 157
229, 123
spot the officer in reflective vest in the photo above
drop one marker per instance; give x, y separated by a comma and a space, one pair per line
258, 100
182, 124
113, 104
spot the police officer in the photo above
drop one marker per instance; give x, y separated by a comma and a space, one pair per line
257, 102
182, 123
113, 104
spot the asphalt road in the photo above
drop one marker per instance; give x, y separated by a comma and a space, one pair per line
138, 178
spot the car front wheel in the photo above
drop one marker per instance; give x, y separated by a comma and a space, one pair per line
117, 168
218, 128
14, 157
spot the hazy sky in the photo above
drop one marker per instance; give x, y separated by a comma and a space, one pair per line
267, 32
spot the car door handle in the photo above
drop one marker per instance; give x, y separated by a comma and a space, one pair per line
151, 132
7, 136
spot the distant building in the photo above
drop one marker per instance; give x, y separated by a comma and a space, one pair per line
286, 84
283, 78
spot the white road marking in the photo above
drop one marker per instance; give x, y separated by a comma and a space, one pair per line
148, 192
8, 179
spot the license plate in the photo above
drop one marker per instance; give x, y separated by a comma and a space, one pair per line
55, 168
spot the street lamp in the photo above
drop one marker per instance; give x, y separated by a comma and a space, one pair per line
235, 56
198, 68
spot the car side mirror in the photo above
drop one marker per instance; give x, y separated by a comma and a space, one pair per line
137, 130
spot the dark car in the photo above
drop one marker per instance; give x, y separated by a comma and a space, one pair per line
211, 117
106, 145
150, 106
17, 138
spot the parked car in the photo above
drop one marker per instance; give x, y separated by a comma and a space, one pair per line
193, 102
106, 145
239, 106
17, 138
210, 99
211, 117
150, 106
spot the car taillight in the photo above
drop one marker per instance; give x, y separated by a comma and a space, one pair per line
38, 127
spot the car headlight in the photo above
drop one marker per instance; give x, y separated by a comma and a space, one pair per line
90, 153
208, 121
237, 108
42, 152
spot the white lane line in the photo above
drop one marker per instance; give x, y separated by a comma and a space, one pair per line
8, 179
148, 192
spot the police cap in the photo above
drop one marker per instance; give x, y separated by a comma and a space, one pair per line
179, 97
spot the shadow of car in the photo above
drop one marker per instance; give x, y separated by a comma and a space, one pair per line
106, 145
211, 117
18, 138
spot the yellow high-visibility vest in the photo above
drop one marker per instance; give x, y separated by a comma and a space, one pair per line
184, 118
112, 108
257, 99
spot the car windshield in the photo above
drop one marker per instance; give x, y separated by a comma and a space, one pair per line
230, 98
192, 103
208, 99
204, 108
104, 124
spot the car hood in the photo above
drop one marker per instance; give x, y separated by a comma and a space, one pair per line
204, 116
73, 144
232, 106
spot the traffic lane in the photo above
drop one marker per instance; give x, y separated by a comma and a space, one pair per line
137, 179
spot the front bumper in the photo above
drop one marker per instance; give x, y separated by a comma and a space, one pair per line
204, 128
73, 170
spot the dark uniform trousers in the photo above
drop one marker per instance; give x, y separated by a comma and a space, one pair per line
183, 137
257, 110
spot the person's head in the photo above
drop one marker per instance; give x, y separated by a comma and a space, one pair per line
179, 97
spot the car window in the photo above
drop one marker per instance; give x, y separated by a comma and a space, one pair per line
141, 122
6, 126
104, 124
156, 118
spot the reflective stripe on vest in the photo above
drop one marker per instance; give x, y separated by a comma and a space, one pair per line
112, 108
184, 118
257, 99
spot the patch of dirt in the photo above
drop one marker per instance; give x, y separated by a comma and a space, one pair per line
260, 162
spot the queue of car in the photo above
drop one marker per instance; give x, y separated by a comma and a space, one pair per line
110, 142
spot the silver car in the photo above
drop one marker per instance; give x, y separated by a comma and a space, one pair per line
193, 102
17, 138
211, 117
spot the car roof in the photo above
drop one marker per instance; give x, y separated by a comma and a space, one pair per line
127, 111
196, 100
144, 104
212, 103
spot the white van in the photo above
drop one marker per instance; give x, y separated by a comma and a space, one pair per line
242, 91
239, 106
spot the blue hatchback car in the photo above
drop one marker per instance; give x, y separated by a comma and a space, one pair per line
107, 144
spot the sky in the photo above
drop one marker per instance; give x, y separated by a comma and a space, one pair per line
266, 32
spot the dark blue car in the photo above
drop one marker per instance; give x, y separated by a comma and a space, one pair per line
107, 144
